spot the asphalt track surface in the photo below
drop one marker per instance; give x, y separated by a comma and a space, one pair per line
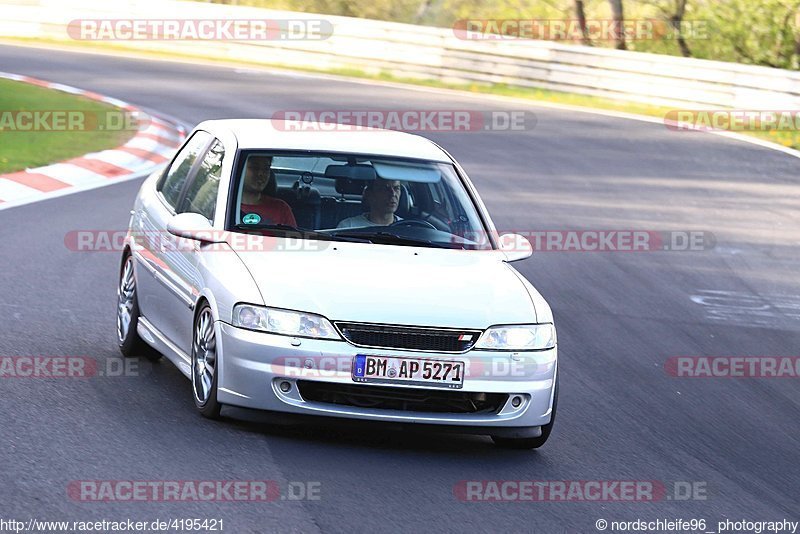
620, 316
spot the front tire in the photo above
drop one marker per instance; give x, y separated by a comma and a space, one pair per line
130, 344
531, 443
205, 364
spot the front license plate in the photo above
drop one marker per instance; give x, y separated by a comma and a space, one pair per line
417, 371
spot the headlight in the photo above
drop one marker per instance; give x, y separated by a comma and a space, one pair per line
518, 337
288, 323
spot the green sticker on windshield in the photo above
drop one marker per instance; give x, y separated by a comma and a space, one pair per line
251, 218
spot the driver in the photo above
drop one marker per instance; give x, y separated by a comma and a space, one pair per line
382, 198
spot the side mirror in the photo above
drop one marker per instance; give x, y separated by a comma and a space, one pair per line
515, 247
194, 226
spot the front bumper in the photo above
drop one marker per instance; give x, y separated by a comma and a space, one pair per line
254, 366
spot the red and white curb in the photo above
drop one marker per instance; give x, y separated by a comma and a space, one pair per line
153, 145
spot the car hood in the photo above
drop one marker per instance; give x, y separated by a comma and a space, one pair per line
393, 285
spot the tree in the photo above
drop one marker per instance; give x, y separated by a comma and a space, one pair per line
422, 10
676, 20
580, 13
759, 33
619, 21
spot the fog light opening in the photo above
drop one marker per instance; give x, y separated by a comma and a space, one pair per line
285, 386
516, 401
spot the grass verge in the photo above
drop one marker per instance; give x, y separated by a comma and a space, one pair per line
35, 139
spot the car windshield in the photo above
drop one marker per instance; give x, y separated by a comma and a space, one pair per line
355, 198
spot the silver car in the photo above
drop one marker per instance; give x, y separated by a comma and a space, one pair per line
344, 274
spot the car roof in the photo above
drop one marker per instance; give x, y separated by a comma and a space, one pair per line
269, 134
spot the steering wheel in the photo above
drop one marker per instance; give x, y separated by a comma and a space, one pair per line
414, 222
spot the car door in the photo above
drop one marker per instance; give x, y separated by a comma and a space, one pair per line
160, 298
183, 255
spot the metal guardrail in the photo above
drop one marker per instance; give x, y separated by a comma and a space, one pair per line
420, 52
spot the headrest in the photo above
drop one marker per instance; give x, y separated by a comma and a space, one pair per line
351, 179
272, 186
305, 192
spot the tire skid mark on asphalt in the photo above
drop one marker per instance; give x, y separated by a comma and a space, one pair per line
152, 146
748, 309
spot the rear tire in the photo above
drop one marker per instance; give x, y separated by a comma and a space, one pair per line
128, 339
531, 443
205, 364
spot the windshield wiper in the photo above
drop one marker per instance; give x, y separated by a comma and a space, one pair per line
288, 228
388, 237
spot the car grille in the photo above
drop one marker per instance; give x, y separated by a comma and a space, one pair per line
408, 337
406, 399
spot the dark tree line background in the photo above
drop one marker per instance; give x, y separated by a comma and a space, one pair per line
759, 32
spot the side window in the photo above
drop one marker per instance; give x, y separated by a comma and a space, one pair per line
201, 196
172, 183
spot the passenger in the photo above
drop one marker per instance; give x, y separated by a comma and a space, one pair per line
258, 179
382, 197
